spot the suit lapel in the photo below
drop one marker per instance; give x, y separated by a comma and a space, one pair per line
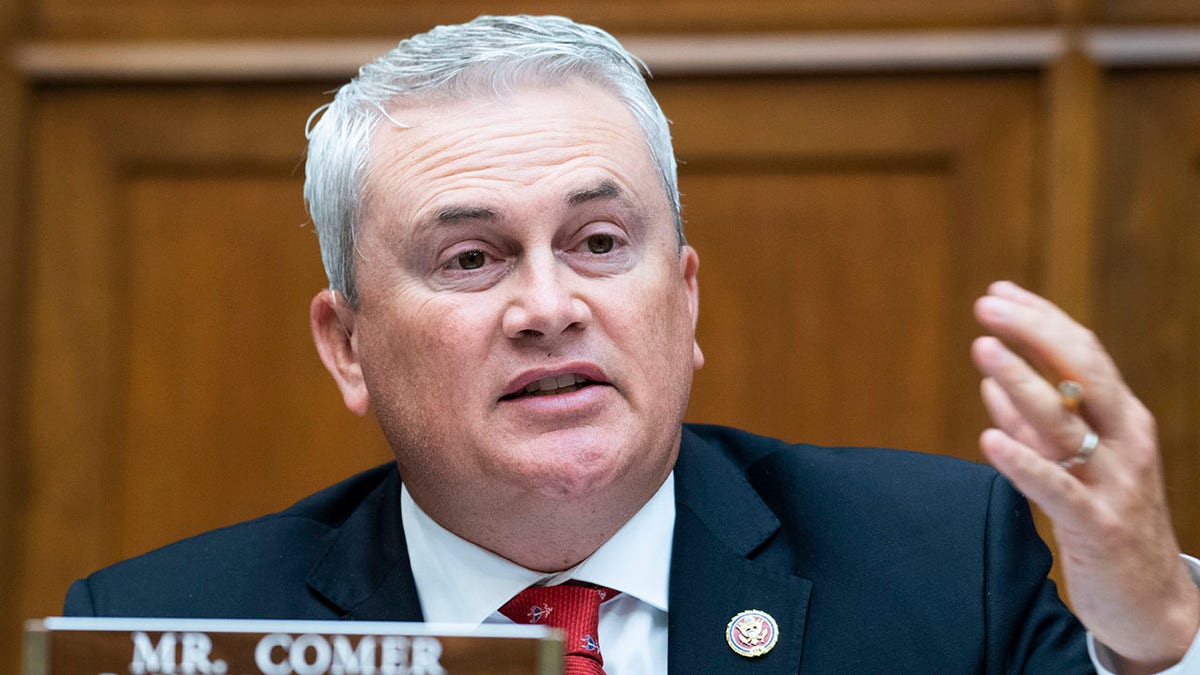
366, 571
721, 527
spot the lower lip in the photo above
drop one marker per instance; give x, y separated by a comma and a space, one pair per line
581, 400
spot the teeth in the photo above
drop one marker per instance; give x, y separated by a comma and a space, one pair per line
555, 385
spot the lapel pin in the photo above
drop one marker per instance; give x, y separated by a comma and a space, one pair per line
752, 633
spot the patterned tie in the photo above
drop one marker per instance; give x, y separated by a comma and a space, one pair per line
573, 607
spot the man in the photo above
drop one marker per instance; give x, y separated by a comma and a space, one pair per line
511, 293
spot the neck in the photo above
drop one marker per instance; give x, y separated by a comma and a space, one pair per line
539, 533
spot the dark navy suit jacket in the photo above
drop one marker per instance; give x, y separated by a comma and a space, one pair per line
871, 561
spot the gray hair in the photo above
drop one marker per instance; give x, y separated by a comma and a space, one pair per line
491, 54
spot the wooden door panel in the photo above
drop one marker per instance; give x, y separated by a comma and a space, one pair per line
800, 302
845, 226
172, 383
228, 412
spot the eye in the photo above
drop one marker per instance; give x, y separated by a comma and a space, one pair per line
600, 243
470, 260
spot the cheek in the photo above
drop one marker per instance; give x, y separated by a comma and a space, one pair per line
657, 334
419, 373
423, 353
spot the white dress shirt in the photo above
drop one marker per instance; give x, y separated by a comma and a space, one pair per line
460, 583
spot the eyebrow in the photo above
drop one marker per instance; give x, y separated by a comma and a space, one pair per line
605, 190
455, 214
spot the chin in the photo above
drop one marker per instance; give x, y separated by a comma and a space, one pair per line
563, 468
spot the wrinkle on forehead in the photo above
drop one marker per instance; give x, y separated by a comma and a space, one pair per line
480, 145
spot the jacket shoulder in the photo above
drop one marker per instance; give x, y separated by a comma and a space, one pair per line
256, 568
876, 506
886, 469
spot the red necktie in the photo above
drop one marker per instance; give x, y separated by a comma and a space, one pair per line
574, 608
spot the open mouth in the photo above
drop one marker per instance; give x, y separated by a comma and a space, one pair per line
549, 386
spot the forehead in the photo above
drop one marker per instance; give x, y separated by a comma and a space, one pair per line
534, 143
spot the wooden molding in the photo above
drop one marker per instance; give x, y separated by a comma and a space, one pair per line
1136, 47
891, 51
189, 61
664, 54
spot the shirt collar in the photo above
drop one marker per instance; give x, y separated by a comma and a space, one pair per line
460, 582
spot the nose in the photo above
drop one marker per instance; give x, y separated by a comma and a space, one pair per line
545, 301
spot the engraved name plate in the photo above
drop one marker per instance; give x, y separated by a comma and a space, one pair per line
108, 646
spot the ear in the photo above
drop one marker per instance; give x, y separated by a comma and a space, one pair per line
332, 321
689, 262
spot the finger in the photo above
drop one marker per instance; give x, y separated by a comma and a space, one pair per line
1059, 493
1015, 293
1030, 409
1005, 415
1031, 329
1038, 330
1011, 422
1058, 348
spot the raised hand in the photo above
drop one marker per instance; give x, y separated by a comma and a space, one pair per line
1074, 439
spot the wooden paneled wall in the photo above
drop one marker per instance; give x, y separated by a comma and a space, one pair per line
854, 173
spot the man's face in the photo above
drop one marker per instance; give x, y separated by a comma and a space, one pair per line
525, 328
